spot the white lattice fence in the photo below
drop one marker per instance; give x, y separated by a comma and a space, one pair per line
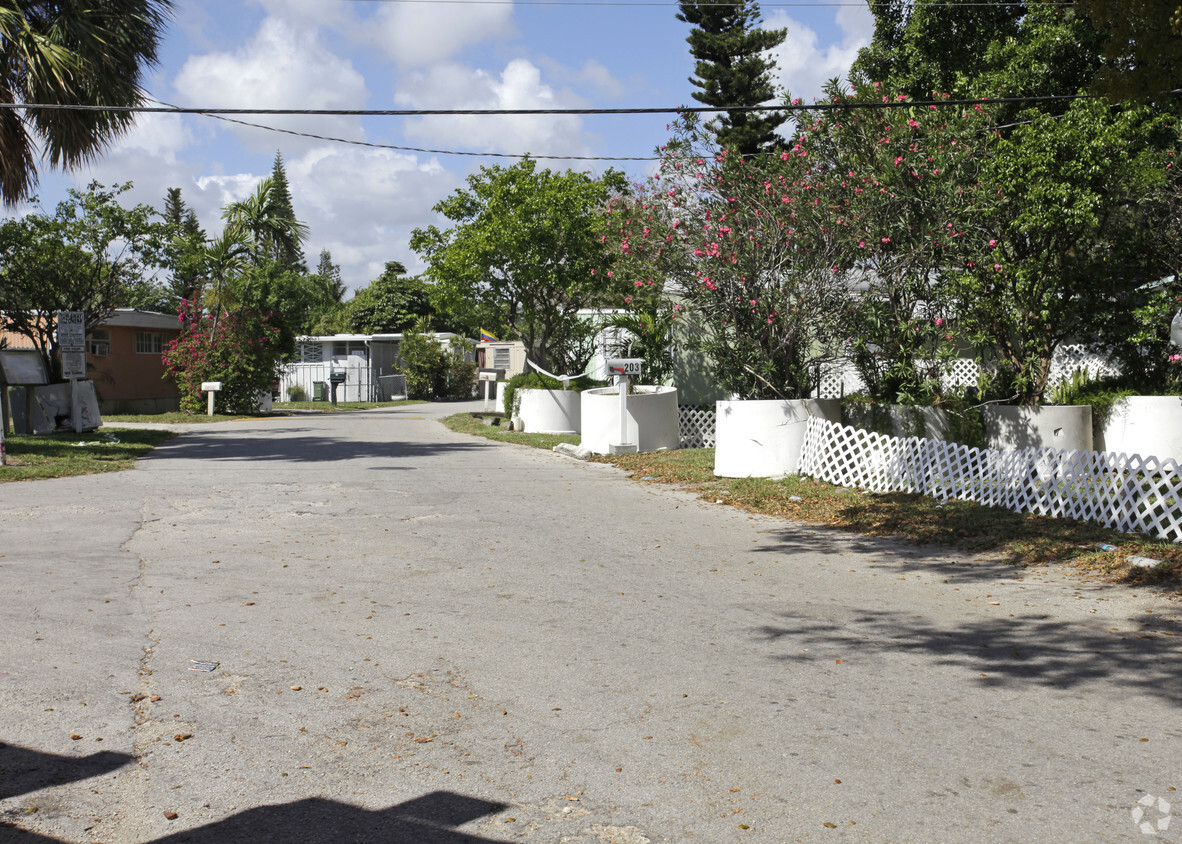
1134, 494
1069, 358
695, 426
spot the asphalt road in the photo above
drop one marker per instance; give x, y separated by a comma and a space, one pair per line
423, 637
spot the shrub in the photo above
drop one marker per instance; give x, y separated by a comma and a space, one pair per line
241, 349
296, 393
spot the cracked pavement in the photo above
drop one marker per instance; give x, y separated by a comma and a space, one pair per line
424, 637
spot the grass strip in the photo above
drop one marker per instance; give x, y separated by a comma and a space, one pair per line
64, 455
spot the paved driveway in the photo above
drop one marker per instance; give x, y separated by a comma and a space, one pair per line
422, 637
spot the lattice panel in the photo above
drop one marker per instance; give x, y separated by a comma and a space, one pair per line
1069, 358
695, 426
1132, 494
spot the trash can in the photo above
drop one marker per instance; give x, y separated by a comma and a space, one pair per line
319, 391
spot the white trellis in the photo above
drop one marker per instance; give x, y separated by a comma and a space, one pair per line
1134, 494
841, 378
695, 426
1071, 357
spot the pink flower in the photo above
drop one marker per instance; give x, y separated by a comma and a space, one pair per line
939, 321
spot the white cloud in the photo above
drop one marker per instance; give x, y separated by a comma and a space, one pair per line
518, 86
420, 34
282, 66
360, 204
804, 65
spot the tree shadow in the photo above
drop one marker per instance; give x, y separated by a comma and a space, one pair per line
430, 819
307, 448
26, 770
900, 553
1028, 649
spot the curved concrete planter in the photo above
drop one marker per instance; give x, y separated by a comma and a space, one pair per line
1011, 428
763, 438
549, 411
898, 420
652, 418
1143, 425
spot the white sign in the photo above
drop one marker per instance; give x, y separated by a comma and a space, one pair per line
487, 376
73, 365
71, 330
624, 366
210, 386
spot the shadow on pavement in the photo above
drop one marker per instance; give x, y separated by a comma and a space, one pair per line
1010, 652
430, 819
23, 770
307, 448
901, 554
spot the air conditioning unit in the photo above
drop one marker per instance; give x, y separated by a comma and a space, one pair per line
100, 347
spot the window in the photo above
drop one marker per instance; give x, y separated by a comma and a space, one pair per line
149, 343
99, 343
500, 357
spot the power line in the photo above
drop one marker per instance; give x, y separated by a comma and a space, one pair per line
529, 112
669, 3
373, 145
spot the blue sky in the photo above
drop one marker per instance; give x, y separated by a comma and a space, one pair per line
361, 203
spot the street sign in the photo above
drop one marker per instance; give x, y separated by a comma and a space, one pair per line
624, 366
71, 331
73, 365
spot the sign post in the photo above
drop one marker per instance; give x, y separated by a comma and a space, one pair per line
71, 340
211, 387
625, 368
488, 378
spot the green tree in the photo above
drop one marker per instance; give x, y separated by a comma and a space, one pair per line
391, 303
184, 250
732, 69
68, 53
242, 351
432, 372
287, 250
1142, 48
524, 250
91, 255
753, 257
934, 46
265, 219
1067, 234
328, 275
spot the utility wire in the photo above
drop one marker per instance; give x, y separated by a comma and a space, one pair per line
220, 114
863, 4
501, 112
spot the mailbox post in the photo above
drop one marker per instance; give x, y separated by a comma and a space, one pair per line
335, 379
625, 369
211, 388
488, 376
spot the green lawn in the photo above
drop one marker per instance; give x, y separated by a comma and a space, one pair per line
61, 455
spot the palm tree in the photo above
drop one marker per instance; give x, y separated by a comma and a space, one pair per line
225, 258
647, 333
266, 219
69, 54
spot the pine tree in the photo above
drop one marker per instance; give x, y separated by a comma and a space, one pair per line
732, 70
185, 249
292, 256
330, 277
